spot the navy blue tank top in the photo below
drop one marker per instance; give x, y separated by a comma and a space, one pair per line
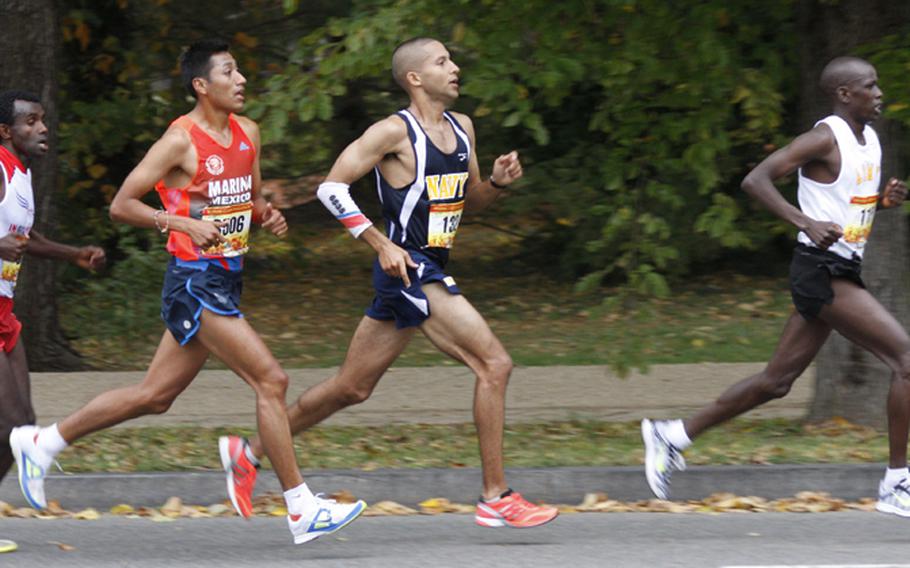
424, 215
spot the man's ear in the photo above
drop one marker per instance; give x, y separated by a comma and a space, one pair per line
843, 94
5, 132
201, 85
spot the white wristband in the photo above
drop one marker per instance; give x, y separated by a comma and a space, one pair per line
336, 197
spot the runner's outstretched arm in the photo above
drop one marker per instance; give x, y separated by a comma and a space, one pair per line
87, 257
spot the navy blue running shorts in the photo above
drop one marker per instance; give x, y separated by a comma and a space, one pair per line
811, 272
409, 307
189, 289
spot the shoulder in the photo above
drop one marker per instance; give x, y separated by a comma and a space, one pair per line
175, 138
820, 136
249, 127
391, 127
465, 122
247, 124
386, 133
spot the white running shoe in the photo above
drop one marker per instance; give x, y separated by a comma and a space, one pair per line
661, 458
894, 499
23, 442
327, 517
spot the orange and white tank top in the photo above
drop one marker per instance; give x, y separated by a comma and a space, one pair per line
17, 213
221, 190
851, 199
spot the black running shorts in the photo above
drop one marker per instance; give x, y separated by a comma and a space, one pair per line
811, 272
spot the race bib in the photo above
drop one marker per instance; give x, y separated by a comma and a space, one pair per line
10, 271
444, 219
859, 225
236, 229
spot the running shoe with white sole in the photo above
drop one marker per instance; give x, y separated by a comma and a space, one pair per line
327, 517
241, 473
661, 458
894, 499
23, 443
7, 545
513, 510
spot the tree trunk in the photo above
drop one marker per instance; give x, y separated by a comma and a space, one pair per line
30, 47
850, 382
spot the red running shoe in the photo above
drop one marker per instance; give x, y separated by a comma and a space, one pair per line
513, 511
241, 473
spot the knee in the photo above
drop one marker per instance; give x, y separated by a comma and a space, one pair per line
152, 402
496, 370
902, 369
777, 386
274, 383
351, 394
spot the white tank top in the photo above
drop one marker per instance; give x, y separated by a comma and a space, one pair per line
851, 199
17, 212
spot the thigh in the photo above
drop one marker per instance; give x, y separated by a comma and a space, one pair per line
374, 347
233, 340
458, 329
798, 345
174, 366
858, 316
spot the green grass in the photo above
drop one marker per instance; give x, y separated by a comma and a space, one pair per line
306, 295
526, 445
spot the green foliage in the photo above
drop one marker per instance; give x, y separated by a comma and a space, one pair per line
129, 298
635, 119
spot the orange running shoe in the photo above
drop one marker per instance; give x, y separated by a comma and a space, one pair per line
512, 510
241, 473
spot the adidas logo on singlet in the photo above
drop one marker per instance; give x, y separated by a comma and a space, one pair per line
244, 146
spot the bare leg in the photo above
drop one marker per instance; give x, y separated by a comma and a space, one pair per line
171, 371
375, 346
859, 317
15, 400
458, 330
233, 341
798, 345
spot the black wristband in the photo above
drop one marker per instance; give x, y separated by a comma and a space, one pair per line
494, 184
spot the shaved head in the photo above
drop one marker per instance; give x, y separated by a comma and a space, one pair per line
840, 71
409, 56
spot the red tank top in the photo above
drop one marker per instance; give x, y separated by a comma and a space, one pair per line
221, 190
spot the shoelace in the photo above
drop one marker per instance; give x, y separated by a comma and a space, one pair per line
515, 508
321, 497
675, 459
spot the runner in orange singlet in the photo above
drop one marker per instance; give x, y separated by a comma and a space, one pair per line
206, 170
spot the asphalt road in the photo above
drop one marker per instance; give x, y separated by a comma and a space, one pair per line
579, 540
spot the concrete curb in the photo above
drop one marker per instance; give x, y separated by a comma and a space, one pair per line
566, 485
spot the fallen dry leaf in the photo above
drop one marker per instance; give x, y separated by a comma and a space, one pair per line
63, 546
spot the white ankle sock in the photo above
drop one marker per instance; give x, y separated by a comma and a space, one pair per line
299, 499
50, 441
675, 433
893, 476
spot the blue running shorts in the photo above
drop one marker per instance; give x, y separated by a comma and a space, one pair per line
409, 307
191, 286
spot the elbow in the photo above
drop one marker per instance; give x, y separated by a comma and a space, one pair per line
748, 184
116, 212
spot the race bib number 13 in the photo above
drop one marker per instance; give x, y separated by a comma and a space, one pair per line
443, 224
236, 221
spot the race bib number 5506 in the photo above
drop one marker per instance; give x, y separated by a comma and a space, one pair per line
236, 221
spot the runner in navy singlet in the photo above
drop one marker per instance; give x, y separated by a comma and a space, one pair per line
427, 175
